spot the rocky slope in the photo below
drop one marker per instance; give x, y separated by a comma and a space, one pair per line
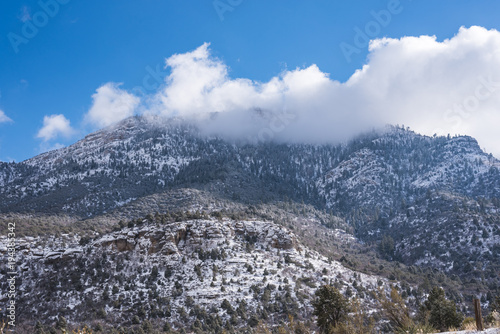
221, 272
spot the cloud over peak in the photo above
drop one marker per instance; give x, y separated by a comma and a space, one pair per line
452, 86
110, 105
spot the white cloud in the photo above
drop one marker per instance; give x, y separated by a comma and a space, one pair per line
436, 87
444, 87
199, 85
4, 118
110, 105
55, 126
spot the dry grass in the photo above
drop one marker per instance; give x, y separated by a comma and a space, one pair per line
469, 327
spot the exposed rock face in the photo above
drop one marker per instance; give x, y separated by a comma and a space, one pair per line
275, 237
166, 239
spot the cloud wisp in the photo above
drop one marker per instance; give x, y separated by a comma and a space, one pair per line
4, 118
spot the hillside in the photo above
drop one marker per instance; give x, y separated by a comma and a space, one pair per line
178, 271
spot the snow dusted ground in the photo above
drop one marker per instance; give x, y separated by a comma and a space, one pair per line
487, 331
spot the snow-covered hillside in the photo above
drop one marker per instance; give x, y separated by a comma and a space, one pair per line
175, 271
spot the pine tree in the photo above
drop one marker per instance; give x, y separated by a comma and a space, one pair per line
330, 307
386, 247
442, 312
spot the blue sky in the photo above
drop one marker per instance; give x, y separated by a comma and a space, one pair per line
87, 44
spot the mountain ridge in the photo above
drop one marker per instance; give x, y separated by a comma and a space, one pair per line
374, 183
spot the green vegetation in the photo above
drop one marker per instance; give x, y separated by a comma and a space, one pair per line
440, 312
330, 308
336, 314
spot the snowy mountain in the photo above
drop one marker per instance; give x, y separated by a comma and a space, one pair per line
139, 157
428, 206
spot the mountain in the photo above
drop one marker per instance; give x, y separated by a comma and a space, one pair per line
141, 156
404, 207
